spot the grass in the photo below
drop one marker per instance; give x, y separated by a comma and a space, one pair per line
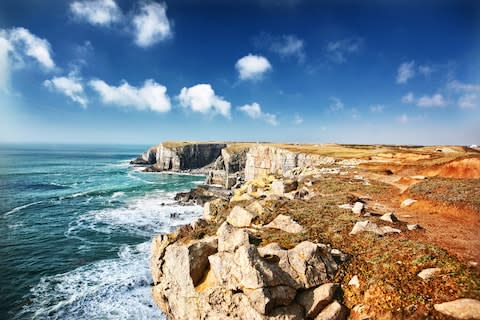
462, 193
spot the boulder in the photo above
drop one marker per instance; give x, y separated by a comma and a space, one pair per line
266, 298
278, 188
364, 226
388, 229
239, 217
428, 273
460, 308
358, 207
314, 300
230, 238
285, 223
334, 311
389, 217
256, 208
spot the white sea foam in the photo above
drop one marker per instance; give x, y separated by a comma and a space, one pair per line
118, 194
21, 207
133, 176
107, 289
146, 215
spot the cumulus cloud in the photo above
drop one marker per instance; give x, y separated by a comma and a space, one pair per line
405, 72
469, 94
26, 43
336, 104
96, 12
254, 111
151, 96
151, 24
70, 86
202, 98
436, 100
469, 101
377, 108
5, 48
297, 119
337, 51
408, 98
252, 67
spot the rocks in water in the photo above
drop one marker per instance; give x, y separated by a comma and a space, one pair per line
334, 311
354, 282
407, 202
239, 217
412, 227
367, 226
460, 308
285, 223
428, 273
389, 217
315, 300
358, 207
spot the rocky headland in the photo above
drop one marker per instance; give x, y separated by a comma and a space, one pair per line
321, 232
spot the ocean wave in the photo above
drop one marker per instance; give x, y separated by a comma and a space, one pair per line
16, 209
152, 213
107, 289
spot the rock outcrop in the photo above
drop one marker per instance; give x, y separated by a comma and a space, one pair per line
227, 276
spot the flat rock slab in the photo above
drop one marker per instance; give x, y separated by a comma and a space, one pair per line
285, 223
314, 300
460, 309
389, 217
407, 202
240, 217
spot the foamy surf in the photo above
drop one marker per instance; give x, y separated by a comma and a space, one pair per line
17, 209
107, 289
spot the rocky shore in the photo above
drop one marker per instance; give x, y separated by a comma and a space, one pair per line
291, 233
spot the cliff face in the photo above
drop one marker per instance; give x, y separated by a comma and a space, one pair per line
180, 156
264, 159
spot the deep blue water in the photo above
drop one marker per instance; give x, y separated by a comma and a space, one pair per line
75, 230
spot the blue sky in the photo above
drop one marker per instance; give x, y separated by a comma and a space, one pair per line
113, 71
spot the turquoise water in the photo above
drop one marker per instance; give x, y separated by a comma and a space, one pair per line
75, 230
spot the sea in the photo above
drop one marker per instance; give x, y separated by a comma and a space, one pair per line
76, 223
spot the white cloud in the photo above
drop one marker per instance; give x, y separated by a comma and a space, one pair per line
151, 95
469, 101
252, 67
289, 46
254, 111
408, 98
336, 104
405, 72
202, 98
469, 94
70, 86
151, 24
32, 46
377, 108
297, 120
5, 48
436, 100
96, 12
425, 70
338, 51
403, 118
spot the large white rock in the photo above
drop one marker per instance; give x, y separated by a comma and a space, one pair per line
285, 223
358, 207
367, 226
334, 311
239, 217
428, 273
230, 238
407, 202
460, 309
389, 217
314, 300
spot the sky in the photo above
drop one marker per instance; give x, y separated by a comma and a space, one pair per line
116, 71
